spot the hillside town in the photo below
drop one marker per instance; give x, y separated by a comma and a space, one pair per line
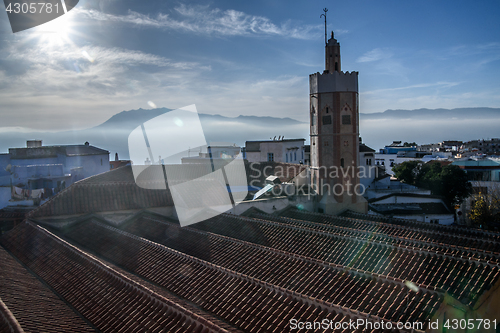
31, 176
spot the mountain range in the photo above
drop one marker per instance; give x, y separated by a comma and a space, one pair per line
376, 129
459, 113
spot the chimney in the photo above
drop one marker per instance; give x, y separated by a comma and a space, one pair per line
33, 143
116, 156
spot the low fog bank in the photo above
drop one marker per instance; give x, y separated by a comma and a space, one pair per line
375, 133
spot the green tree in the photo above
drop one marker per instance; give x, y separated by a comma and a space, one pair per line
485, 210
409, 144
449, 181
454, 185
408, 171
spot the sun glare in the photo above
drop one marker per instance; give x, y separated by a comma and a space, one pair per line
56, 32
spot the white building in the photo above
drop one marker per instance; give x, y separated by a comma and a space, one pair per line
389, 160
212, 152
386, 185
412, 206
367, 168
281, 150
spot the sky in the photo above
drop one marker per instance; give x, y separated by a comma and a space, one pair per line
244, 58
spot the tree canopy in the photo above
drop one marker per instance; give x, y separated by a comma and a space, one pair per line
448, 181
485, 209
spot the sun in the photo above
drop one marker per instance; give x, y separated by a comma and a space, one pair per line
56, 32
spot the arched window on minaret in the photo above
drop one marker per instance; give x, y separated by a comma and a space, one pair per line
336, 66
313, 116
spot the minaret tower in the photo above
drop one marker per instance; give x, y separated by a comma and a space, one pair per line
334, 119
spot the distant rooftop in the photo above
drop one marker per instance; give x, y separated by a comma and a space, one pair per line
280, 140
52, 151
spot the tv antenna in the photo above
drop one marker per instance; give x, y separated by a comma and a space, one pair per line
325, 10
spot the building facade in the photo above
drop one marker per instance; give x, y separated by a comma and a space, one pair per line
39, 171
488, 147
280, 150
334, 131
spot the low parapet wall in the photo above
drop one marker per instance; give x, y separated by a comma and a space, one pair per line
332, 82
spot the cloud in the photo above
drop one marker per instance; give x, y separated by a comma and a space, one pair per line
60, 87
375, 55
43, 53
70, 87
203, 20
476, 55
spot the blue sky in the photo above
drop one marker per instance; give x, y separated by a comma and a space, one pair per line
244, 58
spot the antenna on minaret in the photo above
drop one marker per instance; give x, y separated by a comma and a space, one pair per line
325, 10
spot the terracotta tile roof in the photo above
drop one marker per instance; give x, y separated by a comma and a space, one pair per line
116, 189
107, 299
110, 191
246, 302
365, 149
138, 269
439, 228
34, 306
479, 244
431, 266
293, 272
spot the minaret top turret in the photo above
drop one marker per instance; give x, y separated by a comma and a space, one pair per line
332, 55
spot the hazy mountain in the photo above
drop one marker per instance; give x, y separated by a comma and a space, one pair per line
113, 134
434, 114
376, 129
429, 125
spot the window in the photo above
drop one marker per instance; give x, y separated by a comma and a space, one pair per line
270, 157
346, 119
295, 155
326, 143
327, 109
327, 120
342, 162
286, 158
